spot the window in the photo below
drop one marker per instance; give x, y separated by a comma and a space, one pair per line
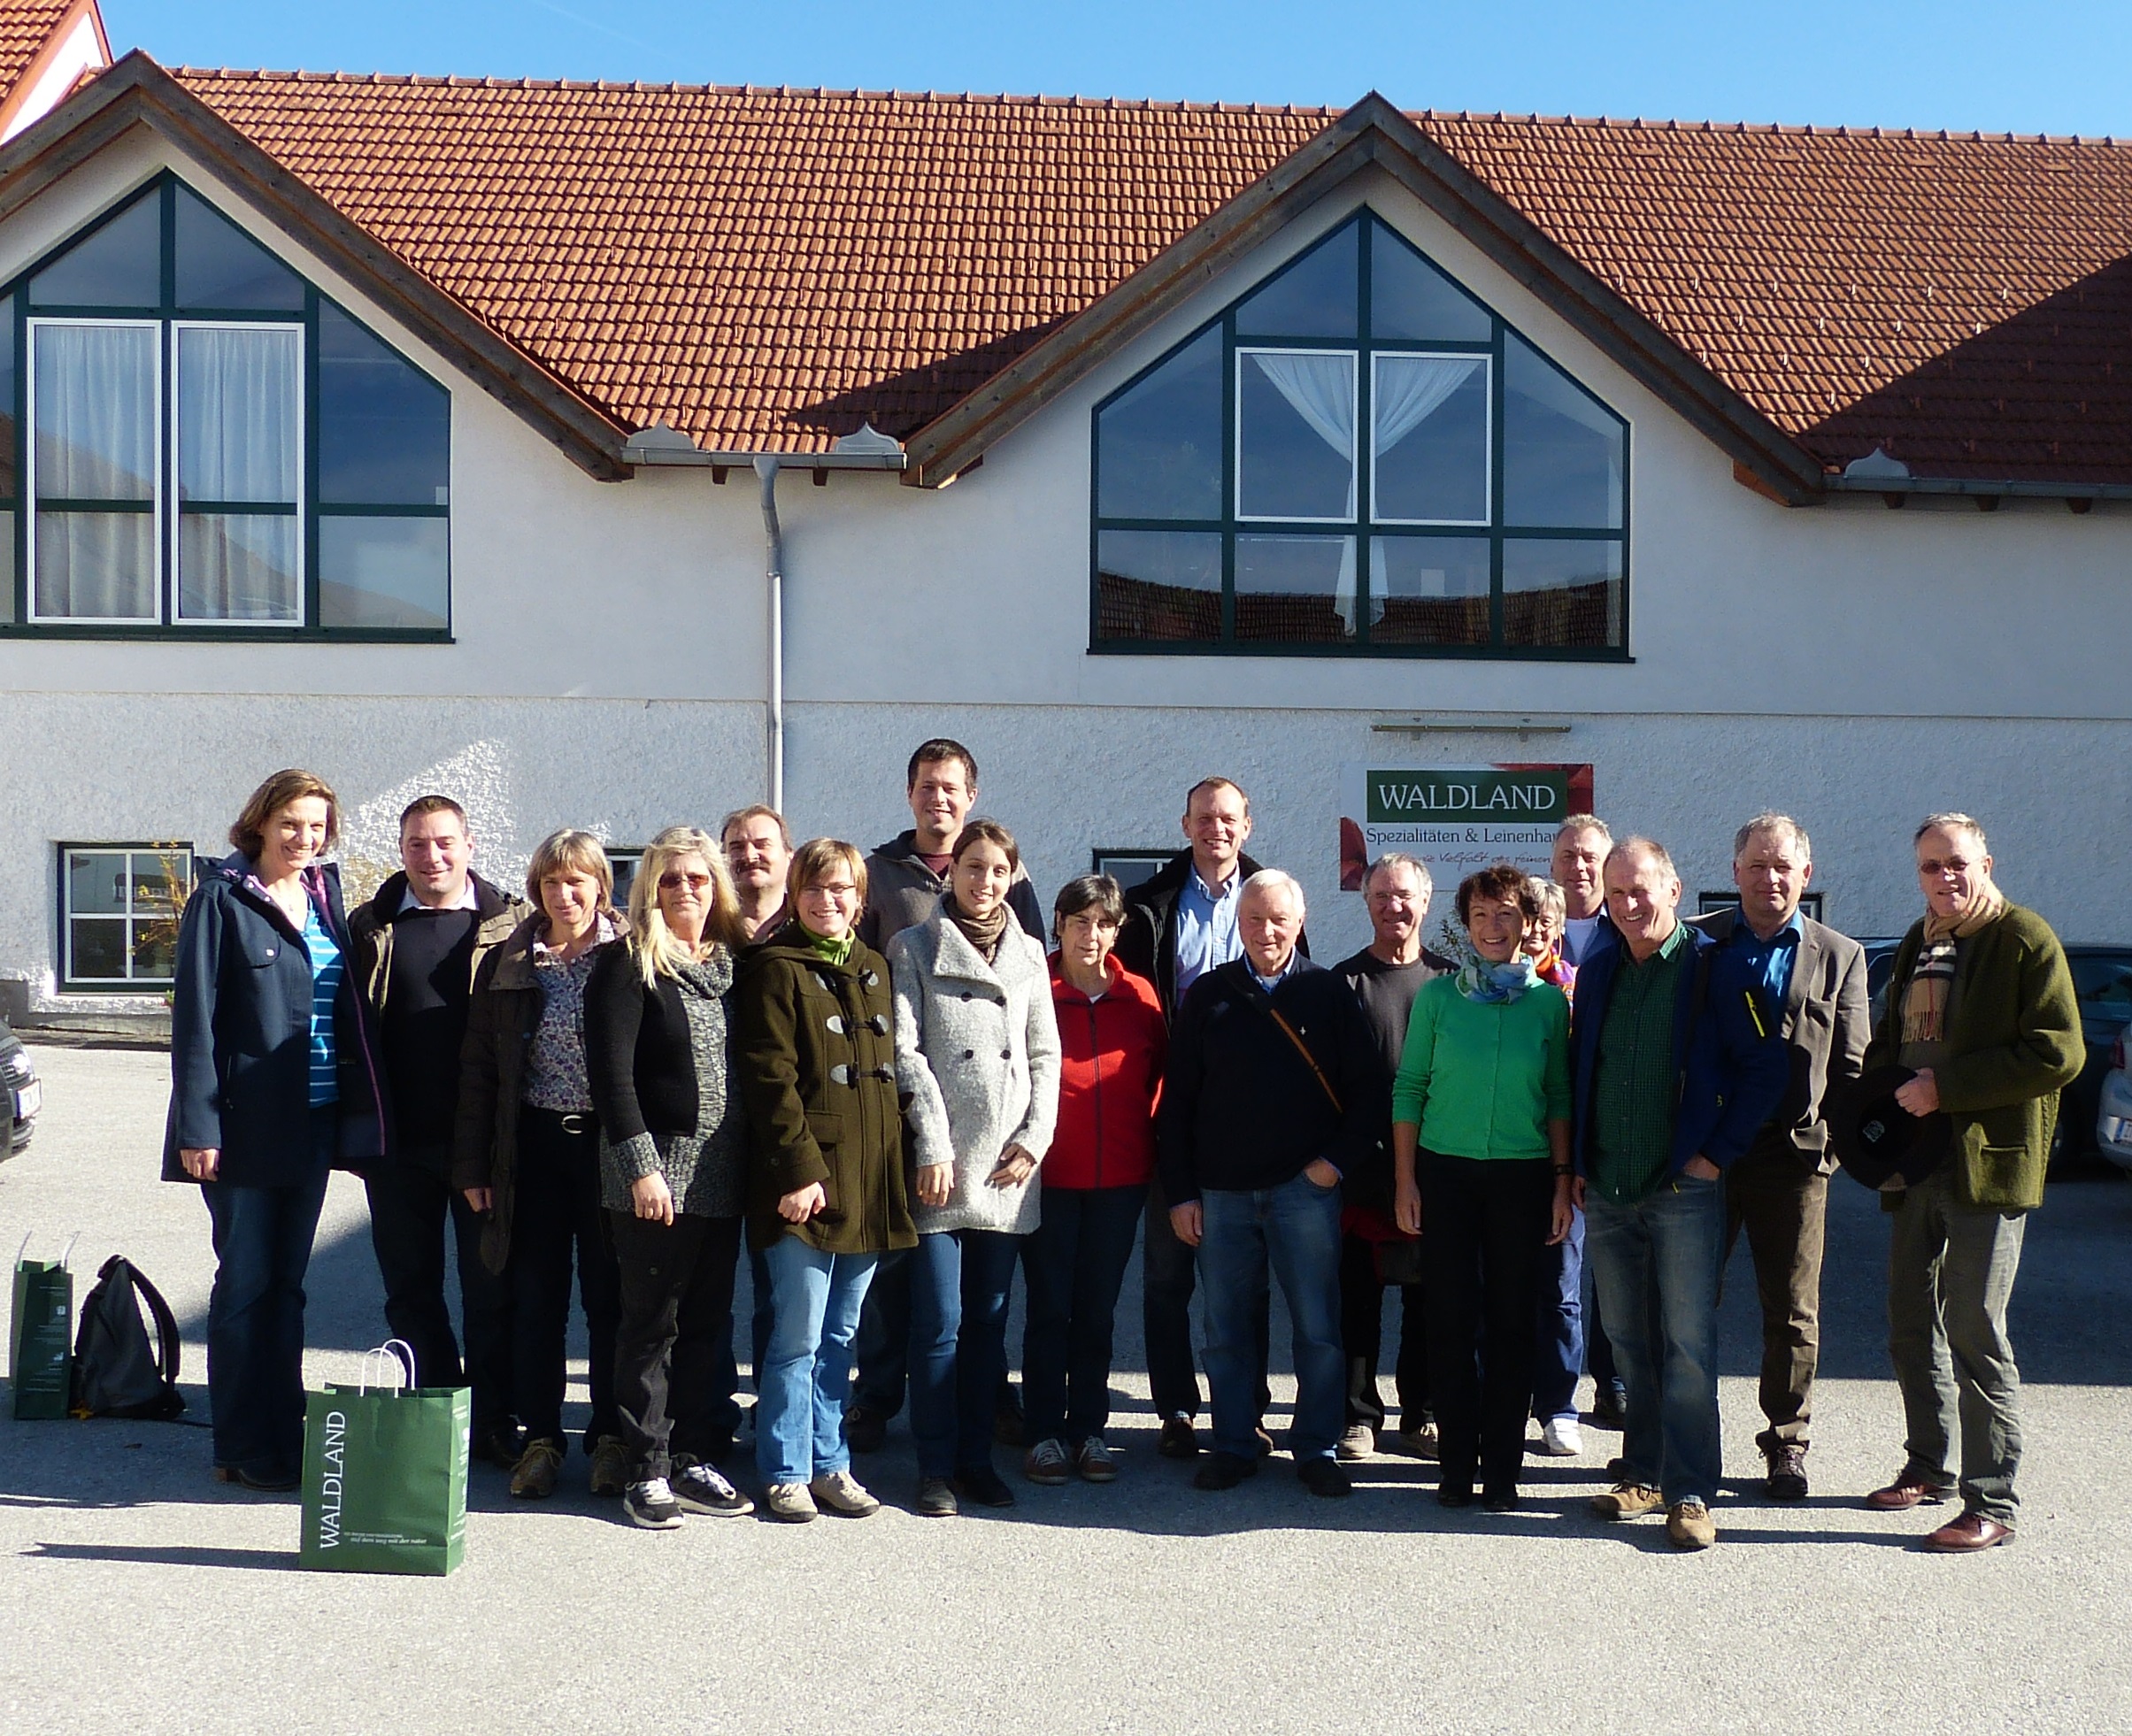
1709, 903
1129, 868
119, 911
197, 442
625, 863
1359, 458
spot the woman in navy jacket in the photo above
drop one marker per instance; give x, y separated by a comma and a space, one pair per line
275, 1081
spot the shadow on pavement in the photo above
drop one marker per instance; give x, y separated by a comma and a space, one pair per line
274, 1561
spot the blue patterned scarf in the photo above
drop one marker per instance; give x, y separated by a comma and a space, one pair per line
1491, 984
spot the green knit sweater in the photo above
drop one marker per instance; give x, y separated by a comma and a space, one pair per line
1483, 1079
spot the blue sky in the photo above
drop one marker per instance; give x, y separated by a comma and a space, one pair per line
2044, 67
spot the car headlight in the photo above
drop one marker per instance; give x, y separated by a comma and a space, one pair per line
15, 1068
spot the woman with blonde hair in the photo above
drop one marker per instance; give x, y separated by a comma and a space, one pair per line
527, 1153
672, 1146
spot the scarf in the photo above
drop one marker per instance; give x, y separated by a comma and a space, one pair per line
837, 951
1932, 980
1493, 984
982, 933
1550, 967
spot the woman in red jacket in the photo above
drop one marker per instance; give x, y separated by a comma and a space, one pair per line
1113, 1041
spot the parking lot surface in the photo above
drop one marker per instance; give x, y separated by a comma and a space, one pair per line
138, 1595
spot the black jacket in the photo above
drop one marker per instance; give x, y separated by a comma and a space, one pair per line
638, 1058
1241, 1108
1147, 944
239, 1049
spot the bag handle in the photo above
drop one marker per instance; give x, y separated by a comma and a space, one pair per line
395, 1349
66, 1254
169, 1345
1309, 1060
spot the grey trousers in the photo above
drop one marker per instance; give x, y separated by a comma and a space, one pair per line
1950, 1270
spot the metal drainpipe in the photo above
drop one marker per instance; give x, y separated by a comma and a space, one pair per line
766, 476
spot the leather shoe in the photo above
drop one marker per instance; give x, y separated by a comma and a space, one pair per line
1324, 1477
1787, 1472
1223, 1471
1968, 1534
866, 1431
1909, 1490
1178, 1439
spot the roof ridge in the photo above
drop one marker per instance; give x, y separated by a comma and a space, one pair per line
1786, 129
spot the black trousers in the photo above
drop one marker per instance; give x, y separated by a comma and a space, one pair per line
1486, 1222
1362, 1331
556, 1225
410, 1204
677, 1310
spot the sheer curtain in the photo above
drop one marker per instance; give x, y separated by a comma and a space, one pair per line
237, 442
1320, 389
95, 431
1411, 388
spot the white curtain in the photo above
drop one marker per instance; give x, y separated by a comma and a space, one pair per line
238, 567
95, 416
96, 566
1320, 389
1411, 388
237, 412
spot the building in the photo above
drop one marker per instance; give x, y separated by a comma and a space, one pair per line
434, 433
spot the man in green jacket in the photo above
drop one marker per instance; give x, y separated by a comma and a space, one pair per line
1981, 1008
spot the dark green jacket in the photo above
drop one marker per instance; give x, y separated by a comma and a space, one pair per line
815, 1058
2013, 1042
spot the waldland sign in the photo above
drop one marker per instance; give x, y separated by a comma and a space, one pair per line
1456, 819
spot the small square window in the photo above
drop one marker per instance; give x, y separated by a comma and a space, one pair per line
119, 906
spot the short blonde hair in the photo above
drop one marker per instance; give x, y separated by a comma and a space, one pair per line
813, 860
248, 833
657, 952
571, 852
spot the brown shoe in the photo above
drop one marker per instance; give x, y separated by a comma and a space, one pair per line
1787, 1472
533, 1477
1911, 1489
1178, 1439
1628, 1501
1968, 1534
1689, 1527
609, 1465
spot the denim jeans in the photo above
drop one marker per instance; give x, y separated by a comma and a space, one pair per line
1660, 1254
1951, 1270
1076, 1263
1294, 1230
255, 1313
1558, 1331
805, 1372
556, 1216
960, 1284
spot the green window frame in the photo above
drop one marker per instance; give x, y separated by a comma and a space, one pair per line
353, 561
1494, 545
120, 904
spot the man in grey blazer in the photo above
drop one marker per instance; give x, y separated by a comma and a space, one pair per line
1778, 1193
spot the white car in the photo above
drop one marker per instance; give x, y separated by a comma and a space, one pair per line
2114, 1122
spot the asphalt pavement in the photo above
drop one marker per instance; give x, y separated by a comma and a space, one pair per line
137, 1594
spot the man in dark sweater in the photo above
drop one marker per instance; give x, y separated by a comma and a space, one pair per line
1385, 976
416, 945
1269, 1100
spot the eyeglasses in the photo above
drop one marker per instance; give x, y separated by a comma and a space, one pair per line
674, 879
829, 889
1953, 865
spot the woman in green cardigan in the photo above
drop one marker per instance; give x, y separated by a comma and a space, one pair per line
1481, 1153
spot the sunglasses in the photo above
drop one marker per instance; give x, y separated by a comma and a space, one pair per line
674, 879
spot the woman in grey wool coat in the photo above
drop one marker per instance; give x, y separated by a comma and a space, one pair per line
977, 1055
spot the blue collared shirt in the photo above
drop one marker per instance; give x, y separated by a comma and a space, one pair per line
1287, 971
1206, 927
1771, 960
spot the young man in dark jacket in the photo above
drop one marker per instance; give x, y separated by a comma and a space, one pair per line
418, 944
1679, 1061
1266, 1102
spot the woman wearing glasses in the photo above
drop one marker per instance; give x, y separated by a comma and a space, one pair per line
672, 1145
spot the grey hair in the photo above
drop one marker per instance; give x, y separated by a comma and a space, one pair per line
1772, 823
1583, 823
1553, 905
1952, 823
1273, 880
1648, 847
1400, 859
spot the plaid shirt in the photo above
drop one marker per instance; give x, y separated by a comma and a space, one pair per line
1636, 1088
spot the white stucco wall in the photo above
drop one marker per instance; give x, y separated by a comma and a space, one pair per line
1854, 666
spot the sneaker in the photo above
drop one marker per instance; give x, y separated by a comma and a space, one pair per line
791, 1503
866, 1430
699, 1487
1046, 1464
1628, 1501
1561, 1438
840, 1493
533, 1477
1324, 1477
651, 1503
983, 1485
1423, 1441
1689, 1527
1180, 1440
1787, 1472
1093, 1460
609, 1465
935, 1498
1359, 1441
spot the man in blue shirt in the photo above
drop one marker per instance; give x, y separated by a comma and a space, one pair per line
1778, 1191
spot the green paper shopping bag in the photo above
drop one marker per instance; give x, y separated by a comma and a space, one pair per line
41, 1335
385, 1474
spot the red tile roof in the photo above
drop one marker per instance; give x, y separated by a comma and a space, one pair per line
763, 269
25, 25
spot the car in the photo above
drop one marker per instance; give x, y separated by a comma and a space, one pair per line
22, 1093
2114, 1113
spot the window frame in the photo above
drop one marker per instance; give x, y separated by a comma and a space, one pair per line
66, 851
1364, 528
167, 317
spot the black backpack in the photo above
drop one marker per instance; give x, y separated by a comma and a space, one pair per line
117, 1373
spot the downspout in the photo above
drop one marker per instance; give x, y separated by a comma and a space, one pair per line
766, 477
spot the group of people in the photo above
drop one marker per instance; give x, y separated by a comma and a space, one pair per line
870, 1069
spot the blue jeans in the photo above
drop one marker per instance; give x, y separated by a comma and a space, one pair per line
1294, 1229
1076, 1263
805, 1372
959, 1283
1659, 1256
255, 1313
1558, 1345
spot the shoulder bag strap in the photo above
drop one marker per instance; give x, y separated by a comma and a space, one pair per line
1309, 1060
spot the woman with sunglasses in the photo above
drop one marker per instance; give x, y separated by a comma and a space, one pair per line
673, 1150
